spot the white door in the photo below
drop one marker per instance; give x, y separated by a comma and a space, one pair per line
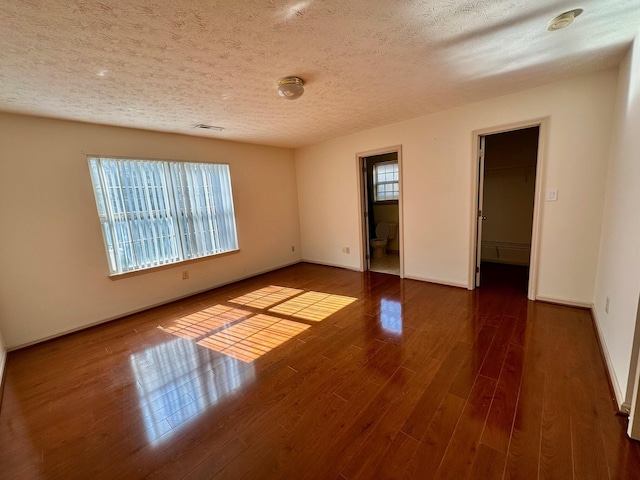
481, 217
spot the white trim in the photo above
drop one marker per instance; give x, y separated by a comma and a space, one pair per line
622, 405
438, 281
364, 242
329, 264
543, 124
149, 307
567, 302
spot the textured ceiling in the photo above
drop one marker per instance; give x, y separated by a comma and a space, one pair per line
167, 65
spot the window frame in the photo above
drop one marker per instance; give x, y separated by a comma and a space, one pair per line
169, 185
375, 183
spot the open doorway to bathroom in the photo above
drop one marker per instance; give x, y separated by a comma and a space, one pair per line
381, 190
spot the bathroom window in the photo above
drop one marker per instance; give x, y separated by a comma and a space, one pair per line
156, 213
385, 182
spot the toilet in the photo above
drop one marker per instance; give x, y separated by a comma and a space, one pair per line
384, 232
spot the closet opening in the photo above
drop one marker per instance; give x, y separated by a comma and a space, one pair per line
508, 165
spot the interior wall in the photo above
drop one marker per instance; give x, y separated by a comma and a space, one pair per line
55, 273
438, 155
619, 264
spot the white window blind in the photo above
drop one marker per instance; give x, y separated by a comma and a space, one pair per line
155, 213
385, 181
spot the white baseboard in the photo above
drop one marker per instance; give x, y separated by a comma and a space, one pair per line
328, 264
439, 281
620, 400
149, 307
564, 301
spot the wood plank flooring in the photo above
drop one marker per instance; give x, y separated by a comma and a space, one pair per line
411, 380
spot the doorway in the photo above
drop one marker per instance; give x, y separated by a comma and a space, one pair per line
381, 211
507, 172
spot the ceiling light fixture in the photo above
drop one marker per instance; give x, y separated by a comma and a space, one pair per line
291, 87
563, 20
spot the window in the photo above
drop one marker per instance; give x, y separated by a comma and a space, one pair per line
155, 213
385, 181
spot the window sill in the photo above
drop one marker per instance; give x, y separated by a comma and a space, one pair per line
135, 273
387, 202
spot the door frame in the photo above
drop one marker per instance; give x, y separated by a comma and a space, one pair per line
633, 405
362, 207
543, 135
482, 139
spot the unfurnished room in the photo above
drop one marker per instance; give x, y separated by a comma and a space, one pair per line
320, 239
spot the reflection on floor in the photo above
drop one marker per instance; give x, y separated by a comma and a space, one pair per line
175, 384
391, 316
390, 263
247, 334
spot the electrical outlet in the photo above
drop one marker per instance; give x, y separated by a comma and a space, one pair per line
185, 274
606, 305
345, 250
552, 195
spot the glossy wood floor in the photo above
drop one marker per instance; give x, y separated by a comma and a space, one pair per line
411, 380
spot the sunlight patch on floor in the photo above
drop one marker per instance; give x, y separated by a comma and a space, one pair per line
247, 335
204, 322
266, 297
313, 306
253, 337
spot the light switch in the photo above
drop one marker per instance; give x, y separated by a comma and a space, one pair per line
552, 195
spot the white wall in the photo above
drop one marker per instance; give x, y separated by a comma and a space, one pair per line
437, 155
619, 264
55, 274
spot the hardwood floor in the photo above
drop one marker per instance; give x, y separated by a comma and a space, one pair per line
410, 380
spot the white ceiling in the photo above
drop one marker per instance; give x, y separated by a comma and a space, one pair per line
169, 64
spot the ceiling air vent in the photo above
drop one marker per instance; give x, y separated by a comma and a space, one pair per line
207, 127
